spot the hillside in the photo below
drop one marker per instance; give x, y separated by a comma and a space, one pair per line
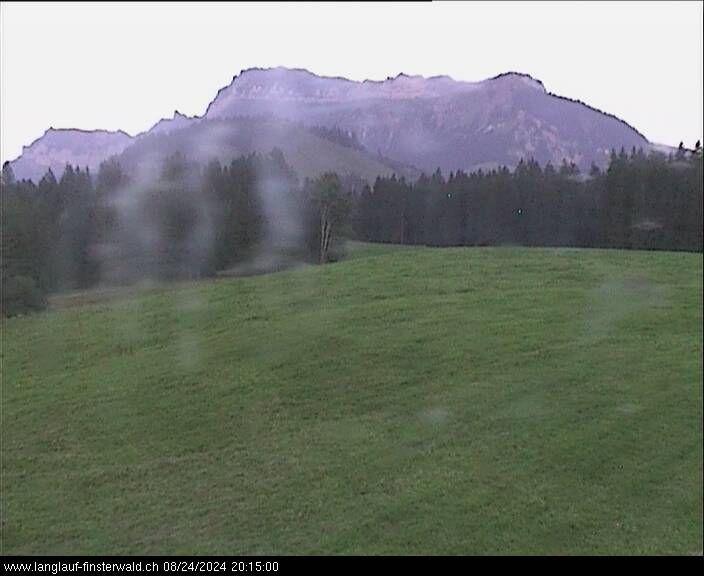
415, 401
308, 153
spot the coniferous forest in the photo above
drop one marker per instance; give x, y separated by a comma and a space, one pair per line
188, 220
640, 202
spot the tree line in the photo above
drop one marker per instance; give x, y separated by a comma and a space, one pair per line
182, 220
640, 201
186, 220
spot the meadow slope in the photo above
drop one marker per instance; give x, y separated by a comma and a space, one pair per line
416, 401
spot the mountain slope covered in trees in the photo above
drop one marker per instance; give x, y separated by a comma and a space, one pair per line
310, 152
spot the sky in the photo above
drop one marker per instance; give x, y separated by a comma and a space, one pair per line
125, 66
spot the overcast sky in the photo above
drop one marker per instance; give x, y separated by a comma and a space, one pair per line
125, 66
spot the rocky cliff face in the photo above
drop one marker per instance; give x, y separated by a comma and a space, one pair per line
436, 122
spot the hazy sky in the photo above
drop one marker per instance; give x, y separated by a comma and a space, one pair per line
128, 65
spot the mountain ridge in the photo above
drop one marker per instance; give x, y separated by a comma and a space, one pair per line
426, 122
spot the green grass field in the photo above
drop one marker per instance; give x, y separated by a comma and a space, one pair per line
415, 401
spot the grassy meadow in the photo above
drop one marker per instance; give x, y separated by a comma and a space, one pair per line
402, 401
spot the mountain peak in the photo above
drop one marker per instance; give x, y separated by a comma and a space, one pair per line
404, 76
165, 125
521, 77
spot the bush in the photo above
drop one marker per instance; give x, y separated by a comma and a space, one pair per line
20, 295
